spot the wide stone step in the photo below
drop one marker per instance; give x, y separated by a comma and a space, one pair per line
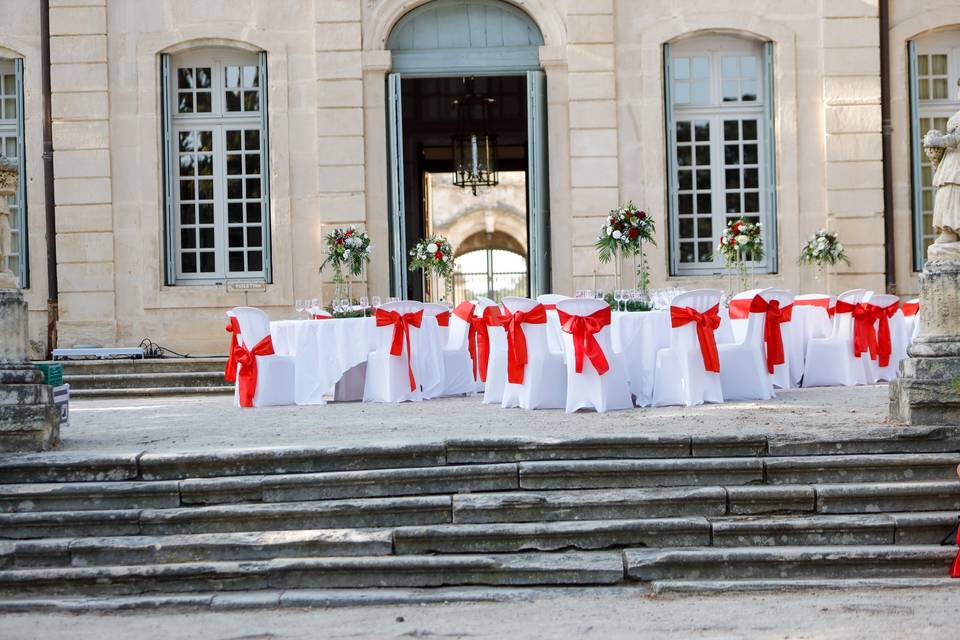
89, 496
815, 584
131, 550
137, 380
551, 536
330, 514
582, 568
142, 392
879, 561
145, 365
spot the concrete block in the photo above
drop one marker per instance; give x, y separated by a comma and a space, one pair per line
594, 172
847, 147
337, 10
552, 536
849, 9
280, 460
598, 474
339, 65
593, 114
854, 202
852, 118
593, 142
82, 191
590, 57
67, 467
848, 89
81, 134
486, 450
390, 482
337, 36
852, 61
339, 93
767, 499
619, 504
69, 524
78, 77
851, 32
340, 122
596, 85
67, 21
332, 514
337, 178
340, 150
83, 163
221, 490
856, 175
925, 528
71, 49
800, 531
75, 218
723, 446
86, 248
88, 496
887, 497
86, 276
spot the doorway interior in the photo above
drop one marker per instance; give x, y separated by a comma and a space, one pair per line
489, 231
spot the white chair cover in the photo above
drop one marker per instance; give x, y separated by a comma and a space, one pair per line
830, 361
457, 365
898, 342
783, 374
554, 335
544, 383
607, 392
911, 323
275, 374
680, 376
481, 305
809, 321
497, 363
387, 378
743, 364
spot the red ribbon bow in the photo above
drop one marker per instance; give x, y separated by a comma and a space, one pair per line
401, 332
443, 319
707, 322
584, 329
464, 311
242, 363
516, 340
772, 333
864, 337
884, 344
910, 308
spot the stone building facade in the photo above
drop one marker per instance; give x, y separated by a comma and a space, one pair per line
294, 95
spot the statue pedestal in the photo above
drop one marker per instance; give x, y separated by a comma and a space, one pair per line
928, 389
29, 421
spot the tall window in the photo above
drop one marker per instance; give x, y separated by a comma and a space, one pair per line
11, 144
720, 134
934, 71
215, 137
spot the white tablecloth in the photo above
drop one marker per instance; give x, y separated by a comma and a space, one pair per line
324, 350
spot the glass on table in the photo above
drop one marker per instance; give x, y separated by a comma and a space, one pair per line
314, 306
299, 305
375, 301
364, 305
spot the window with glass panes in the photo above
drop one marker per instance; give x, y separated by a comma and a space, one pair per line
935, 71
11, 144
718, 130
218, 166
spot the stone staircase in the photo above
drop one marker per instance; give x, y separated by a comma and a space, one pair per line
119, 378
300, 526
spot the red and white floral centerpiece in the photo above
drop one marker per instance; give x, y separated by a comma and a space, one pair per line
741, 243
347, 247
434, 256
623, 234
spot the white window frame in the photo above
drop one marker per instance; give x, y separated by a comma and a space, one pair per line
12, 129
218, 121
942, 43
716, 47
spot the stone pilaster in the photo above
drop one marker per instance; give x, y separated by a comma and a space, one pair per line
594, 165
852, 145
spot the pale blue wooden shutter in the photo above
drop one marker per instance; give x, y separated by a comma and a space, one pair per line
23, 247
770, 158
537, 188
398, 241
169, 223
915, 162
265, 170
669, 136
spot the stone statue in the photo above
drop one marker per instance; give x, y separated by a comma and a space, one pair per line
943, 149
9, 173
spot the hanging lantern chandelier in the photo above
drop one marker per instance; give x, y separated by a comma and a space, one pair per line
474, 147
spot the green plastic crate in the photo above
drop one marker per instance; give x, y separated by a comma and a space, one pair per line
52, 373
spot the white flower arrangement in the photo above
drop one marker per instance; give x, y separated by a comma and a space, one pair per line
348, 247
823, 248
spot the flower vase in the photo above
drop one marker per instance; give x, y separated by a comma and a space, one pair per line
818, 280
337, 285
617, 271
434, 286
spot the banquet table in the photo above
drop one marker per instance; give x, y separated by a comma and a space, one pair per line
324, 350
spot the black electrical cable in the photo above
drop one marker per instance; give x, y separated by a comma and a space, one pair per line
153, 350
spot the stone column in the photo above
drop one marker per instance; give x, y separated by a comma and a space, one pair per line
928, 389
29, 421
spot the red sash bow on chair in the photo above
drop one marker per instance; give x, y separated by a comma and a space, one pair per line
584, 329
864, 337
517, 341
401, 332
884, 344
707, 322
244, 361
464, 311
772, 332
910, 308
443, 319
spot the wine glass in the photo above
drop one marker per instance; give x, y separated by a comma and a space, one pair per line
375, 301
364, 305
299, 305
314, 306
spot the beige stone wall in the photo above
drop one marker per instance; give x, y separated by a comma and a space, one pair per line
328, 141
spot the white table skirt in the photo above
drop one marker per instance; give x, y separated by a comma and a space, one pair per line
324, 350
